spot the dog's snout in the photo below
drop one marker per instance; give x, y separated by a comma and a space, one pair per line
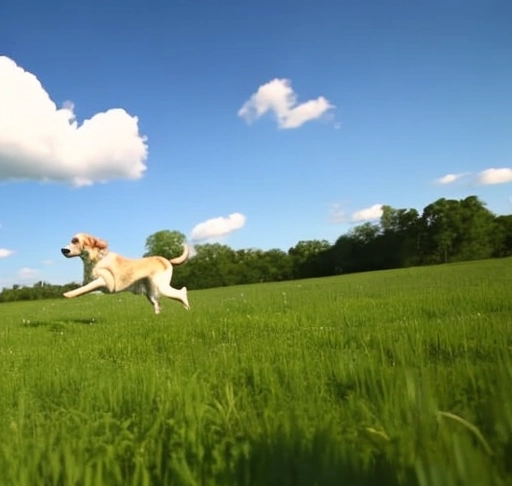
65, 251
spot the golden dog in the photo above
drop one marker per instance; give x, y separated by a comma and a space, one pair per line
110, 272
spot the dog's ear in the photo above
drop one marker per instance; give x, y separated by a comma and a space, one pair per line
93, 242
99, 243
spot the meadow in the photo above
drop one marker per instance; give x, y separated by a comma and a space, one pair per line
399, 377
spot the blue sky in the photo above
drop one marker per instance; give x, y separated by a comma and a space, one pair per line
257, 124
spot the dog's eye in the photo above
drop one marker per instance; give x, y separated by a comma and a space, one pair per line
74, 241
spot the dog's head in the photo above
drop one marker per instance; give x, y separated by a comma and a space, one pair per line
85, 246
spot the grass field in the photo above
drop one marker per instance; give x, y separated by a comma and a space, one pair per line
387, 378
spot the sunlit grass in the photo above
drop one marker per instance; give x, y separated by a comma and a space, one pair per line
389, 378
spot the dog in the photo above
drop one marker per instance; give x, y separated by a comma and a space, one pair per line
112, 273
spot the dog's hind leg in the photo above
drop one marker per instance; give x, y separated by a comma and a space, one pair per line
175, 294
90, 287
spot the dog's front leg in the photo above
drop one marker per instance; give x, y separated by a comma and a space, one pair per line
91, 286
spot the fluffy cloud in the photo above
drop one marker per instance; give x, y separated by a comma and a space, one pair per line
40, 141
495, 176
368, 214
217, 227
4, 252
449, 179
485, 177
278, 97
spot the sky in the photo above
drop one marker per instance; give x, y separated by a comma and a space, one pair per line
253, 124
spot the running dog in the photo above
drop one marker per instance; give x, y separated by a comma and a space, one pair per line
112, 273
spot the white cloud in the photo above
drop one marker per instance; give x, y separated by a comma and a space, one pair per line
368, 214
495, 176
4, 252
449, 178
39, 141
217, 227
336, 214
278, 96
27, 273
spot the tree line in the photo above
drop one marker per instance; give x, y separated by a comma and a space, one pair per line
446, 231
40, 290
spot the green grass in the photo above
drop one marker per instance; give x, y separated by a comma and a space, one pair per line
387, 378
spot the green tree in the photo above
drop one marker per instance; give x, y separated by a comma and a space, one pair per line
457, 230
477, 231
213, 265
165, 243
398, 220
367, 247
503, 240
365, 233
441, 222
345, 255
276, 265
399, 238
307, 257
264, 266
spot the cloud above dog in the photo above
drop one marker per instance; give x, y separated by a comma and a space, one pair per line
495, 176
367, 214
449, 179
39, 141
4, 252
278, 97
487, 177
217, 227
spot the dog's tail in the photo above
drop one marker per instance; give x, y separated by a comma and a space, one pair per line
182, 258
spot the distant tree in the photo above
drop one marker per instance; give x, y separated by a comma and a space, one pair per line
165, 243
365, 233
440, 225
213, 265
398, 221
457, 230
478, 224
306, 258
275, 265
503, 236
344, 255
399, 240
266, 266
40, 290
365, 250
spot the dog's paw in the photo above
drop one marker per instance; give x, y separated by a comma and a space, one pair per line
67, 295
